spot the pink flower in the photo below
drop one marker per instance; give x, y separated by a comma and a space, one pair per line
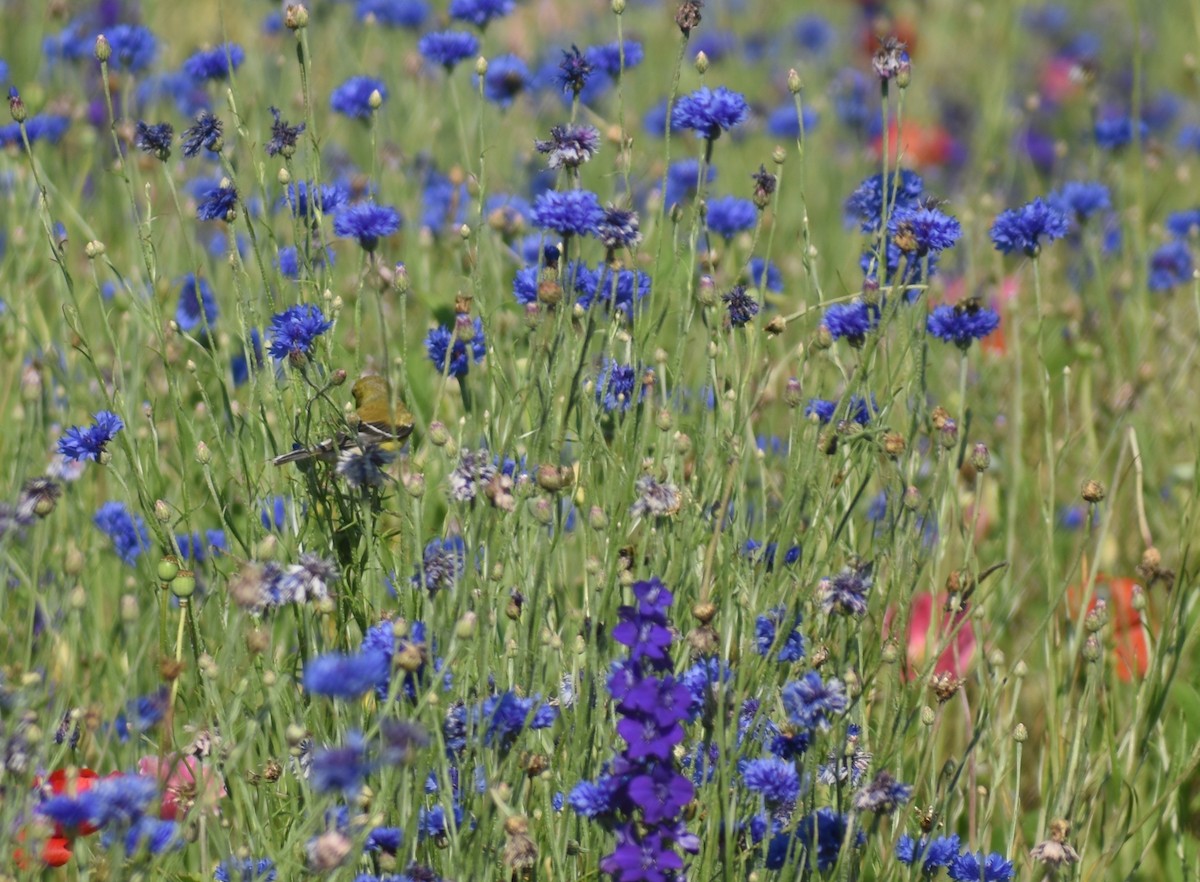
928, 626
186, 783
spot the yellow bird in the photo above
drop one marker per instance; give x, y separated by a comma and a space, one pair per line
381, 423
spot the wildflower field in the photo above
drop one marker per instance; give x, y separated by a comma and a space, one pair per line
641, 440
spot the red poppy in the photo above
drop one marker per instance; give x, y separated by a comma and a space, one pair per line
1129, 639
928, 625
63, 784
919, 145
56, 851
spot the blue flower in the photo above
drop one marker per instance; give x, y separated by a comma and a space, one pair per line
340, 769
153, 835
709, 112
974, 867
919, 231
1170, 265
367, 222
845, 593
240, 365
204, 132
283, 136
479, 12
1080, 200
777, 781
631, 287
295, 330
569, 146
940, 853
327, 197
442, 202
1025, 228
825, 827
766, 630
765, 274
507, 76
127, 532
442, 342
813, 33
850, 320
245, 870
573, 71
865, 205
133, 47
78, 443
216, 63
1115, 132
289, 261
619, 229
811, 702
394, 13
442, 564
618, 386
962, 324
742, 307
783, 122
883, 795
607, 58
197, 305
219, 203
353, 97
592, 799
568, 212
682, 178
448, 48
729, 215
154, 139
1184, 224
345, 676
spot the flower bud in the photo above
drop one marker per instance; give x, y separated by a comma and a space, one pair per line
464, 628
284, 176
162, 511
295, 18
1093, 492
481, 66
439, 435
1020, 734
400, 280
701, 62
928, 715
597, 519
981, 457
103, 50
706, 291
16, 106
203, 454
618, 7
794, 83
375, 99
1092, 651
778, 155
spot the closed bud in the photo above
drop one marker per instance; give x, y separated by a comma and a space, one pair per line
129, 608
1093, 492
294, 734
948, 434
704, 612
776, 326
74, 563
778, 155
894, 444
162, 512
542, 510
375, 99
823, 339
295, 18
464, 628
597, 519
928, 715
168, 568
1138, 601
16, 107
891, 652
794, 83
203, 454
701, 63
103, 50
284, 176
1092, 651
400, 281
439, 435
664, 419
706, 292
618, 7
94, 249
981, 457
481, 66
414, 484
1020, 734
793, 393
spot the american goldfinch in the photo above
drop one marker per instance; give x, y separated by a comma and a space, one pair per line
381, 424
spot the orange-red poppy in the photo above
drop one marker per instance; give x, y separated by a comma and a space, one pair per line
1130, 651
917, 144
56, 851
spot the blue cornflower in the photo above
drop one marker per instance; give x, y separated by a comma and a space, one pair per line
218, 203
294, 331
811, 702
859, 410
852, 101
573, 71
850, 320
442, 564
607, 57
1170, 265
78, 443
504, 717
1184, 224
963, 323
974, 867
303, 195
216, 63
345, 676
883, 795
592, 799
133, 47
766, 630
205, 132
728, 215
682, 178
1025, 228
242, 361
569, 146
709, 112
776, 780
353, 97
619, 228
765, 274
1079, 200
283, 135
479, 12
741, 305
363, 467
151, 834
617, 386
367, 222
507, 76
825, 827
154, 139
245, 870
1115, 132
568, 212
448, 48
394, 13
441, 342
940, 853
920, 231
127, 532
845, 593
865, 205
197, 305
813, 33
121, 799
782, 122
631, 287
1189, 138
386, 839
340, 768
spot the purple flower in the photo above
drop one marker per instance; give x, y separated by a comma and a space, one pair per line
133, 47
617, 386
127, 532
766, 633
340, 768
154, 139
709, 112
569, 146
973, 867
645, 858
1081, 199
606, 58
1025, 228
78, 443
367, 222
660, 794
218, 203
664, 701
283, 136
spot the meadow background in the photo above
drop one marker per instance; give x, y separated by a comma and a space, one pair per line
708, 555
